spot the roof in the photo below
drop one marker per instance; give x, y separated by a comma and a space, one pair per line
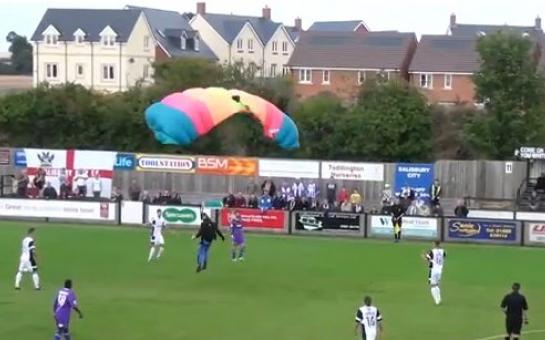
229, 26
372, 50
336, 26
475, 30
445, 53
91, 21
166, 25
294, 32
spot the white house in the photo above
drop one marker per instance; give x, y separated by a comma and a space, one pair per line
257, 41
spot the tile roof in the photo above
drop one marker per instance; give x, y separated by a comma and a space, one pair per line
336, 26
229, 26
168, 26
91, 21
373, 50
294, 32
445, 53
475, 29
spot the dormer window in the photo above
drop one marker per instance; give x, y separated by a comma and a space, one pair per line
525, 35
108, 37
197, 43
51, 35
183, 41
79, 36
108, 40
481, 34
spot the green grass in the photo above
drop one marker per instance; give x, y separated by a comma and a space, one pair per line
291, 288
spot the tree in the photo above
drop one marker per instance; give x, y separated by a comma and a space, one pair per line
513, 91
392, 122
21, 53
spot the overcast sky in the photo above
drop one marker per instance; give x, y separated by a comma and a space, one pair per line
420, 16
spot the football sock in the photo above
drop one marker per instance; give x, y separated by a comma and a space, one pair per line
151, 253
36, 280
160, 252
57, 337
438, 290
234, 254
18, 279
241, 252
67, 337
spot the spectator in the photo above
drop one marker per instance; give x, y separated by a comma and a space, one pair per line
346, 206
435, 193
146, 198
461, 210
343, 195
229, 201
39, 181
312, 193
96, 184
265, 202
252, 188
116, 195
240, 201
355, 198
165, 197
540, 185
298, 189
436, 211
22, 184
268, 187
253, 203
49, 192
408, 193
285, 191
358, 209
298, 204
412, 210
387, 196
326, 206
176, 199
331, 191
81, 183
66, 189
134, 191
534, 201
278, 202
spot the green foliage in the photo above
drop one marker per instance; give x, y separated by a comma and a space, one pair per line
513, 92
21, 55
448, 131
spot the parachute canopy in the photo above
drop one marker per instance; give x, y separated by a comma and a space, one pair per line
181, 118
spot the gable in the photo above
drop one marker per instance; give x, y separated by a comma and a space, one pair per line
79, 32
51, 30
108, 31
247, 29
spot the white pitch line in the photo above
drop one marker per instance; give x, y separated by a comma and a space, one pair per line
503, 335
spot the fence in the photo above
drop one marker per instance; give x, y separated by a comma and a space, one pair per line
487, 227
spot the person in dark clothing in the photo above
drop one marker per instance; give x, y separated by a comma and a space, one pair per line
49, 192
331, 189
461, 210
253, 203
229, 201
540, 185
397, 212
207, 233
515, 307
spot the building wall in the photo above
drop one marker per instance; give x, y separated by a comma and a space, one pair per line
212, 38
278, 58
462, 91
245, 55
139, 56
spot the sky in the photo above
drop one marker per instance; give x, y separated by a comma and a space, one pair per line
420, 16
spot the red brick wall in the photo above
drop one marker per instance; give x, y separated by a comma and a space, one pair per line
462, 92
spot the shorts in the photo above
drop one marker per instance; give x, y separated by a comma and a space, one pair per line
157, 240
434, 277
368, 334
238, 240
28, 265
513, 325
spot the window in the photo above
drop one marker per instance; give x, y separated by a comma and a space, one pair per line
251, 45
146, 72
252, 68
285, 70
108, 72
79, 39
448, 81
51, 39
51, 71
361, 77
305, 76
146, 42
183, 44
197, 44
325, 77
275, 47
108, 40
240, 45
426, 81
273, 70
284, 47
79, 70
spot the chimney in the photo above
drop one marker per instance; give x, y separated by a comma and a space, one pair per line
266, 13
298, 24
452, 20
201, 8
538, 23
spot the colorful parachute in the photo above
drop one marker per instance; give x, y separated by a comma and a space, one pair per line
181, 118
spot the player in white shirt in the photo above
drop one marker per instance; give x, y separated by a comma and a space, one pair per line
369, 320
27, 262
436, 260
157, 224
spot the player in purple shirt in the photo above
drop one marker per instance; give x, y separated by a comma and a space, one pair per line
65, 301
237, 234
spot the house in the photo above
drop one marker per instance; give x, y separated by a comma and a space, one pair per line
108, 50
339, 26
258, 42
340, 62
443, 68
174, 37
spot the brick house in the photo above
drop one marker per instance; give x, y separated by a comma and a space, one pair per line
443, 68
340, 62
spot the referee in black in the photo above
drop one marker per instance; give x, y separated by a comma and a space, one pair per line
397, 213
514, 306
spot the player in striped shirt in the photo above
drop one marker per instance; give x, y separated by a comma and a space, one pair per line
28, 262
436, 259
369, 320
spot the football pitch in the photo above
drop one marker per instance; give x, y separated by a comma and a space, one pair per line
292, 288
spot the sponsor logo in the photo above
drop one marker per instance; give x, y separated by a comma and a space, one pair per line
182, 215
46, 159
465, 229
125, 161
537, 233
310, 223
166, 163
20, 158
227, 166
